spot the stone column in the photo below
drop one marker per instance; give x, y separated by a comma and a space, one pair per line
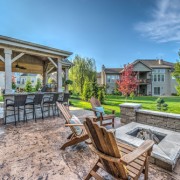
59, 75
128, 112
67, 77
8, 70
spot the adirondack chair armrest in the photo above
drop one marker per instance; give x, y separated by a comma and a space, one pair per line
68, 125
104, 156
95, 111
113, 111
145, 147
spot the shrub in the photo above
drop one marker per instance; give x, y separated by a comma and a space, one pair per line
101, 94
87, 91
161, 105
38, 85
28, 86
132, 95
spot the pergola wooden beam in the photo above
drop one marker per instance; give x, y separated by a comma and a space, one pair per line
1, 58
50, 70
50, 59
17, 57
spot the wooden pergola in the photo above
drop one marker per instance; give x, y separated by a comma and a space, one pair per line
26, 57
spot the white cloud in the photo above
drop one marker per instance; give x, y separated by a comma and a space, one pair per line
164, 25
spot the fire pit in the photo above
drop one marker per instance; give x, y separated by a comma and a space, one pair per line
165, 152
145, 134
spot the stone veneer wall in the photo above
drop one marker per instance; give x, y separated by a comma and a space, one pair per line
133, 112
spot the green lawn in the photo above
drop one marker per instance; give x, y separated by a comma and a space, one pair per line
148, 102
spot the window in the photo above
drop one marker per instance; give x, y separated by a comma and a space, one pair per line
156, 90
112, 78
162, 77
155, 78
23, 81
159, 75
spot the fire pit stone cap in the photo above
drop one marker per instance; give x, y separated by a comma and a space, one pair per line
130, 105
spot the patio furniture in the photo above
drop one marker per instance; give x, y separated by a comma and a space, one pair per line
50, 103
66, 99
118, 159
73, 138
12, 104
30, 106
38, 104
102, 117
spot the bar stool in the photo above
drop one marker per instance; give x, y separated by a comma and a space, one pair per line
30, 105
38, 104
12, 104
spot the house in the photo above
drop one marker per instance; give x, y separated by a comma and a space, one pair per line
108, 77
22, 79
154, 77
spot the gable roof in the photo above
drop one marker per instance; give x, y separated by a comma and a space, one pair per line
113, 70
155, 63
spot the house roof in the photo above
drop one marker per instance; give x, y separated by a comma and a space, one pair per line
28, 74
154, 63
113, 70
66, 62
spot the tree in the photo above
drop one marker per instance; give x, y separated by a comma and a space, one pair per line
176, 75
83, 69
128, 82
101, 94
87, 91
95, 88
28, 86
13, 82
38, 84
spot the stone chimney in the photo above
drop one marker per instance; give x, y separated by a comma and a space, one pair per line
103, 67
160, 61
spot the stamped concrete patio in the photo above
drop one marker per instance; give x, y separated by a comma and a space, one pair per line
32, 151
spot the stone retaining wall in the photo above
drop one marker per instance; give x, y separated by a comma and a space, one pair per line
131, 112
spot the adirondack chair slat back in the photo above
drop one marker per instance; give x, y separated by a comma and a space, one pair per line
94, 102
66, 114
104, 141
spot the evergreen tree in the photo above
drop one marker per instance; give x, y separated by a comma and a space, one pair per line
95, 88
38, 84
101, 94
87, 91
28, 86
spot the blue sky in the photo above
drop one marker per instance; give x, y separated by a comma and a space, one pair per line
113, 32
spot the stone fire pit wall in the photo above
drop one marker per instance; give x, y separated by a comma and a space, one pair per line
132, 112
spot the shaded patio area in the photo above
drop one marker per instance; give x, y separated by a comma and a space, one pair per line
32, 151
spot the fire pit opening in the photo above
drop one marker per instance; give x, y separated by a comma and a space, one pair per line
145, 134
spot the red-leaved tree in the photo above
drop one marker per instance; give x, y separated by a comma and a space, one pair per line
128, 81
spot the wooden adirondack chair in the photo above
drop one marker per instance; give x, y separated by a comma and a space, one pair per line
118, 159
96, 103
73, 138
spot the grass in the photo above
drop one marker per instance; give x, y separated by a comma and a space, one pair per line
113, 101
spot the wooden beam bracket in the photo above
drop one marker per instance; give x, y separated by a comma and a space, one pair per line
17, 57
1, 58
51, 60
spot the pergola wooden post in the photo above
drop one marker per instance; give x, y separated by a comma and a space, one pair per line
26, 57
66, 77
59, 75
8, 70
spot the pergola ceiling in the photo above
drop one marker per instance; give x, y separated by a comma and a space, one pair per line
29, 64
